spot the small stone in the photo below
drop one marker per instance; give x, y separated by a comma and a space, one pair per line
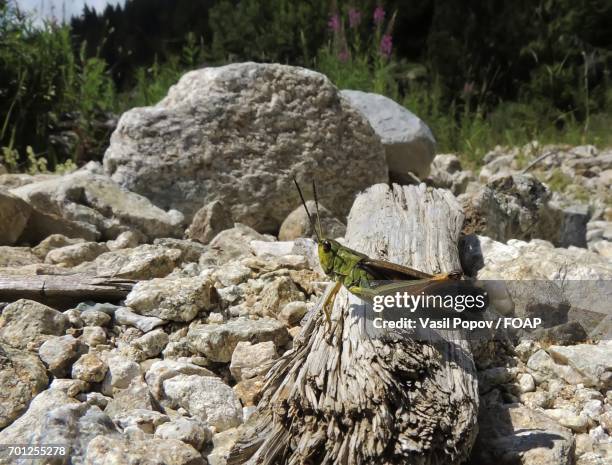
58, 353
217, 342
163, 370
89, 368
135, 396
125, 240
75, 254
567, 418
188, 430
152, 343
145, 420
176, 299
536, 399
209, 221
26, 323
297, 224
205, 398
277, 294
292, 313
526, 383
93, 336
22, 376
121, 372
72, 387
120, 450
251, 360
249, 390
95, 318
54, 241
593, 409
124, 316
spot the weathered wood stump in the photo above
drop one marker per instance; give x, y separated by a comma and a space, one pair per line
340, 397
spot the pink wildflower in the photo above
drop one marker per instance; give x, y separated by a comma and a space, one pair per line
354, 17
379, 15
386, 45
334, 22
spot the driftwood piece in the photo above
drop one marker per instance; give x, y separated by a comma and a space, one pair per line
347, 399
62, 291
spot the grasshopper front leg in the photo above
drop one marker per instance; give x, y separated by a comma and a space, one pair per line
328, 303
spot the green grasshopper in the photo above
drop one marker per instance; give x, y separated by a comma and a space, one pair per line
358, 273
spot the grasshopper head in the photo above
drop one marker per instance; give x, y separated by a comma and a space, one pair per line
328, 248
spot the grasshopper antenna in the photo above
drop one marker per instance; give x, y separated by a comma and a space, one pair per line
314, 191
312, 224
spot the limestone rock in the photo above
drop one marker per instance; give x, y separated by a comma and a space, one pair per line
593, 362
176, 299
297, 224
409, 144
145, 420
217, 342
93, 317
75, 254
27, 324
16, 257
279, 120
447, 173
125, 316
232, 244
209, 221
143, 262
251, 360
58, 353
110, 450
205, 398
511, 435
163, 370
96, 200
43, 224
152, 343
121, 372
89, 368
188, 430
54, 241
277, 294
292, 313
508, 207
135, 396
22, 376
14, 215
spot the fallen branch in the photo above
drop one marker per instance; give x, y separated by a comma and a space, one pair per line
62, 291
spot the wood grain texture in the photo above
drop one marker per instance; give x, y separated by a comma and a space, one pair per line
63, 290
340, 397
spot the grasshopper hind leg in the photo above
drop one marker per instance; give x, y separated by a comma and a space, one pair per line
328, 303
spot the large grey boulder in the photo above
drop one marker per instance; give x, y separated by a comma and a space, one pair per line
237, 134
97, 203
409, 144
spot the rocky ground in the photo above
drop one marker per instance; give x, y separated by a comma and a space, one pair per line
167, 374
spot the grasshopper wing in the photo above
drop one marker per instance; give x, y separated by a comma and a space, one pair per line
383, 270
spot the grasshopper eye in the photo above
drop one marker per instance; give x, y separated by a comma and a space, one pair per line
326, 246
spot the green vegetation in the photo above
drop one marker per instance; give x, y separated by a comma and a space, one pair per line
479, 73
